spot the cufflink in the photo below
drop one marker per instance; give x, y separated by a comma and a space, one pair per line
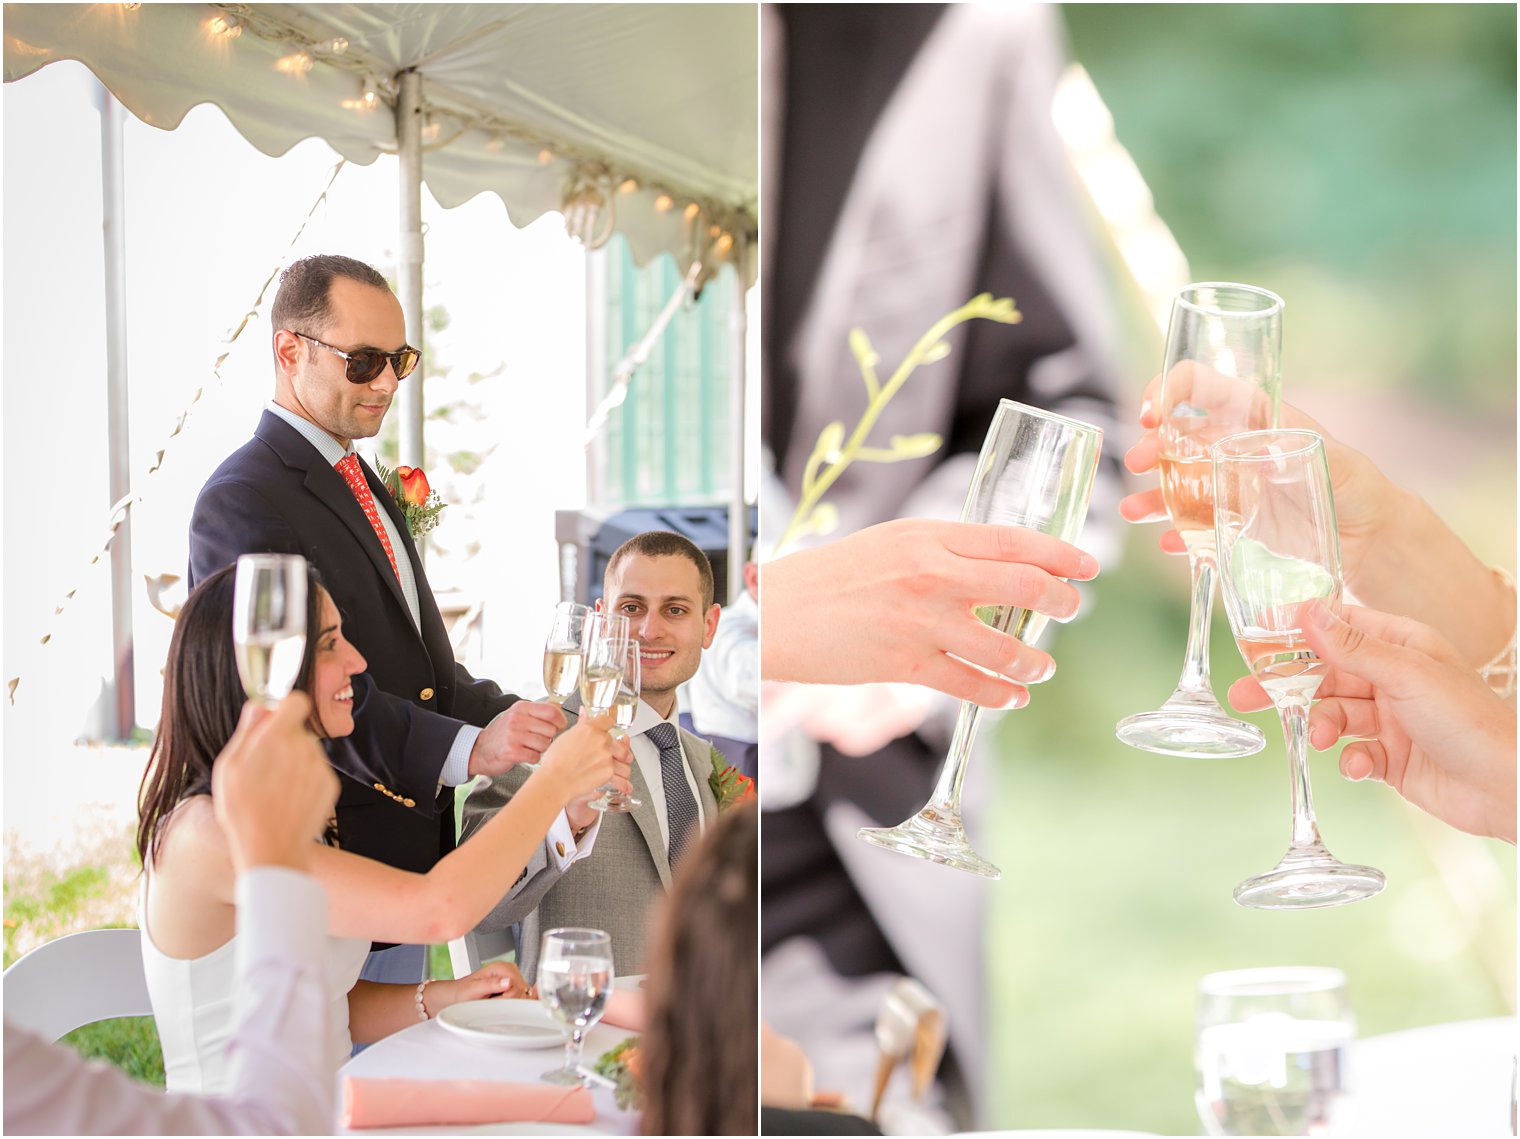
559, 848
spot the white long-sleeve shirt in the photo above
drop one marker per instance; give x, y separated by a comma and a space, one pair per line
276, 1054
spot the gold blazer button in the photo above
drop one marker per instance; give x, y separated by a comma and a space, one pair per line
425, 694
409, 802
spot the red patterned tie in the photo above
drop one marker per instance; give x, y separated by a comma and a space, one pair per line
353, 475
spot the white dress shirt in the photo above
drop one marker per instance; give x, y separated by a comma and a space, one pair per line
724, 696
281, 1076
647, 756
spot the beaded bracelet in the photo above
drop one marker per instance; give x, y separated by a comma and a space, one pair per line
422, 1012
1499, 673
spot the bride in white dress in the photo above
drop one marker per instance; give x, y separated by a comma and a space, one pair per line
186, 909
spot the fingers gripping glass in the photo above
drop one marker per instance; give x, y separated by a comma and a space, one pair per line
1036, 470
362, 365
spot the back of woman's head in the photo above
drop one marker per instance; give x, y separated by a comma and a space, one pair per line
203, 698
698, 1059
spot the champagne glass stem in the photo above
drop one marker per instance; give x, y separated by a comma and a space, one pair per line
947, 792
1295, 721
1195, 664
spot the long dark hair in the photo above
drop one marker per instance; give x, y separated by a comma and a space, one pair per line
203, 698
699, 1059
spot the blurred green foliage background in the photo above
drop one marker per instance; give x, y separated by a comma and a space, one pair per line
1360, 161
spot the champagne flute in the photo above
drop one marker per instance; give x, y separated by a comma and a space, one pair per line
269, 624
563, 656
1275, 520
605, 638
269, 630
562, 652
574, 978
1220, 376
625, 708
1272, 1051
1035, 470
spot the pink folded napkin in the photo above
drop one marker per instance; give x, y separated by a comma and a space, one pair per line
625, 1009
424, 1103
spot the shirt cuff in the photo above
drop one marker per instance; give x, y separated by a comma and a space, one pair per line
587, 842
456, 768
281, 916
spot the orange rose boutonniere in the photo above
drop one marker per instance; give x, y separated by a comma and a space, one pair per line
418, 501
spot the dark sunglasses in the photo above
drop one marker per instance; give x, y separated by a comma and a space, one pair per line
364, 364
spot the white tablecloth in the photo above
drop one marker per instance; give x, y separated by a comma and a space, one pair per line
428, 1051
1446, 1079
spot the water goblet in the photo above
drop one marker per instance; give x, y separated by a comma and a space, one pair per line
1271, 1051
574, 978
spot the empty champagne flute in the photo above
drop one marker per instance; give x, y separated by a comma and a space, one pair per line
1220, 376
562, 651
625, 709
269, 616
1272, 1050
1035, 470
1278, 546
574, 978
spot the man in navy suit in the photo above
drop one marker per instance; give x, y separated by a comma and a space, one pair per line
340, 353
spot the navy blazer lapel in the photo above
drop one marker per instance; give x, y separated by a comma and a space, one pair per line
327, 485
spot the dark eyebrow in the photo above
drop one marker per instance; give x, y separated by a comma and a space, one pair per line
324, 632
680, 597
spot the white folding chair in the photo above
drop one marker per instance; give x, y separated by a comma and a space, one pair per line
76, 980
466, 953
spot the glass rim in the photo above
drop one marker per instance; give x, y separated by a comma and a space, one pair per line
1276, 305
578, 933
1311, 441
1272, 980
1041, 413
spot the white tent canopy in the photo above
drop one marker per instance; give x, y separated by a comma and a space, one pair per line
651, 108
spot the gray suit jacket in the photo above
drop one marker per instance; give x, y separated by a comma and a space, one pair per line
612, 889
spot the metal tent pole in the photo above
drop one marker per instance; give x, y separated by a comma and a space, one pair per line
118, 451
409, 270
738, 514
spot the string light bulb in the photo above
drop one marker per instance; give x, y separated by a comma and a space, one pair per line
338, 46
431, 131
371, 97
691, 210
296, 63
131, 7
724, 243
628, 186
663, 203
225, 26
496, 144
545, 156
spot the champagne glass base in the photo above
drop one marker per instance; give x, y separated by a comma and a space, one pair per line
617, 804
1191, 732
566, 1077
1309, 879
935, 836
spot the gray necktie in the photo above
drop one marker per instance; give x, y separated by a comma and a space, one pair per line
680, 807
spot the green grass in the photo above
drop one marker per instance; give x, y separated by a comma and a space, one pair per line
131, 1043
1118, 868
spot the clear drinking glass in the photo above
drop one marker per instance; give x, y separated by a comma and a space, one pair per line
605, 638
269, 623
1278, 546
1272, 1051
574, 978
1036, 470
625, 706
1220, 376
562, 651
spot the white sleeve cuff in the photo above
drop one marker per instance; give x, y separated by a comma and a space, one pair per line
281, 916
456, 769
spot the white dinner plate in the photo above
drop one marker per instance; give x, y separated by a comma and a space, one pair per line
504, 1022
631, 981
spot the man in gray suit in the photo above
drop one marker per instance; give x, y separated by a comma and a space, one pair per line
663, 584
